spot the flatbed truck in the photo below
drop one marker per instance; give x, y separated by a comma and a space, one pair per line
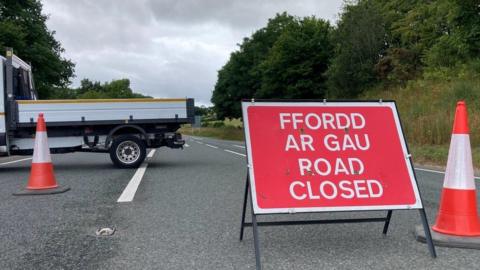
124, 128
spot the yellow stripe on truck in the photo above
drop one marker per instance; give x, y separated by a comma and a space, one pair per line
53, 101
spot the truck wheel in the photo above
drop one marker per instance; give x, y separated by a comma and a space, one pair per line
128, 151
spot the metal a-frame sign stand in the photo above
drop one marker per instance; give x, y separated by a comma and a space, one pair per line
386, 220
255, 224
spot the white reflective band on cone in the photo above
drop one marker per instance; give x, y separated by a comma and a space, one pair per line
459, 173
41, 152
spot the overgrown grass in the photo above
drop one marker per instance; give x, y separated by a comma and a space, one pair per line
437, 155
233, 122
427, 109
430, 154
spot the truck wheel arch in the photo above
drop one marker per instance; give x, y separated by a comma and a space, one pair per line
124, 129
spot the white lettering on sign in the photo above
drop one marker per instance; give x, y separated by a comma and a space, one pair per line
315, 121
305, 142
334, 143
328, 190
292, 190
322, 167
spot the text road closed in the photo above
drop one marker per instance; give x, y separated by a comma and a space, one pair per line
344, 156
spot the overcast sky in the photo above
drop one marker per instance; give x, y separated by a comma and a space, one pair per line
167, 48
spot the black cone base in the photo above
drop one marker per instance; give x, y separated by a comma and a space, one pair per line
446, 240
49, 191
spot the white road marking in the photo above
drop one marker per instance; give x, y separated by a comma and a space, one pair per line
200, 142
186, 145
236, 153
434, 171
428, 170
15, 161
239, 146
150, 155
212, 146
129, 191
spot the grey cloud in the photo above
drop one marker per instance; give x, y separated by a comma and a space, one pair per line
237, 14
166, 48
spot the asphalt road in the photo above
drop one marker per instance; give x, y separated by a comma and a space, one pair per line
186, 215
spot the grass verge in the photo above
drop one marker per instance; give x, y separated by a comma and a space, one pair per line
224, 133
427, 108
437, 155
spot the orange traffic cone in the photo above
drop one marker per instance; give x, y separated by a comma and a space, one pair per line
42, 178
457, 214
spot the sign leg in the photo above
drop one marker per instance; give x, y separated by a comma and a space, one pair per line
387, 222
428, 235
255, 240
245, 197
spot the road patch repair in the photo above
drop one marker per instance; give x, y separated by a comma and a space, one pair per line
364, 163
106, 231
457, 224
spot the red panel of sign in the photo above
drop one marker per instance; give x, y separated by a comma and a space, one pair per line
333, 156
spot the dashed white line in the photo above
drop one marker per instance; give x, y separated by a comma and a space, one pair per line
236, 153
199, 142
212, 146
427, 170
150, 155
239, 146
434, 171
15, 161
129, 191
186, 145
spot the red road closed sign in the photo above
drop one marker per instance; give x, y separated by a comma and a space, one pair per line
327, 156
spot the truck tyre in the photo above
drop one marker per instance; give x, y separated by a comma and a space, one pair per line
128, 151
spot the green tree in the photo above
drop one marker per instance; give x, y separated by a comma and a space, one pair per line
63, 93
86, 85
241, 76
114, 89
295, 66
203, 110
22, 26
285, 59
431, 30
360, 41
439, 33
468, 17
375, 43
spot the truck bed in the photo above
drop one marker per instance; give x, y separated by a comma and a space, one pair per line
91, 111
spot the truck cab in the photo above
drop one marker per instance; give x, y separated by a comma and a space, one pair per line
125, 128
15, 74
